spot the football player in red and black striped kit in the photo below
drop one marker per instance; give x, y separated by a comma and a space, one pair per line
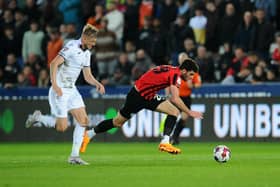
143, 95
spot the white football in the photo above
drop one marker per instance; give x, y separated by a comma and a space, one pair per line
221, 153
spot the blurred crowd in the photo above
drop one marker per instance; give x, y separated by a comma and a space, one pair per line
233, 41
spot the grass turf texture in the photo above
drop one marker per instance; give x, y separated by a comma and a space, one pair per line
139, 164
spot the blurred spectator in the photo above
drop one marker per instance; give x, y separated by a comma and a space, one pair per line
131, 18
130, 51
238, 71
224, 62
63, 32
32, 41
11, 71
244, 34
22, 81
145, 34
71, 33
54, 45
87, 6
35, 63
9, 43
32, 11
21, 26
271, 75
178, 33
2, 6
119, 78
211, 26
228, 25
263, 35
159, 48
258, 75
95, 19
245, 6
124, 65
28, 77
50, 14
71, 11
276, 52
106, 49
168, 14
122, 72
190, 48
143, 63
198, 24
145, 10
8, 18
115, 21
269, 7
43, 79
184, 6
206, 65
253, 60
120, 5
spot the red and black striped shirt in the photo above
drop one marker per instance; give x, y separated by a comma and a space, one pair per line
157, 79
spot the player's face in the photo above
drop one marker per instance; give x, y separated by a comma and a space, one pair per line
187, 75
88, 42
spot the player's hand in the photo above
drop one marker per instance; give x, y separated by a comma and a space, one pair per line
100, 88
57, 90
195, 114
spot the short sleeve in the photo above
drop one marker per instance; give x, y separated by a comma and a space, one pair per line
65, 52
87, 60
175, 79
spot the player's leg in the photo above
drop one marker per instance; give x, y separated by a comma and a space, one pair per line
81, 121
58, 119
77, 109
180, 125
168, 108
132, 105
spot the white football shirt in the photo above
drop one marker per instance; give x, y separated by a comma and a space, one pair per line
75, 59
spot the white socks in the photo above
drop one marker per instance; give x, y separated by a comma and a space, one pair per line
77, 140
48, 121
165, 139
91, 133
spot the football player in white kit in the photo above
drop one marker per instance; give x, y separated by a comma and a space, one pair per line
63, 94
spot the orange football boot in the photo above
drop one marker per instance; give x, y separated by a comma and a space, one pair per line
167, 147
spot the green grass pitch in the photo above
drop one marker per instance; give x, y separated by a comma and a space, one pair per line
139, 164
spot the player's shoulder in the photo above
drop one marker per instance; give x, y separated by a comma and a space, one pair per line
72, 44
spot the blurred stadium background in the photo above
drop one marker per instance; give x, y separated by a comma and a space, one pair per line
236, 44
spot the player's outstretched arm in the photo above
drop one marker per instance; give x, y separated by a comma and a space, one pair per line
92, 81
175, 98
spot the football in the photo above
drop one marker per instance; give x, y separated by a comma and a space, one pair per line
221, 153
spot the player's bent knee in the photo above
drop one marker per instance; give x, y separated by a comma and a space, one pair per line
61, 128
117, 122
175, 112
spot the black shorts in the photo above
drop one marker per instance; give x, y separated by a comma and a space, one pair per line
135, 102
187, 101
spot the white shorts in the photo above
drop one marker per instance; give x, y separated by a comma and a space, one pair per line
70, 99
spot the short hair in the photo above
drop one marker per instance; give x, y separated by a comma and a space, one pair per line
189, 65
90, 30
